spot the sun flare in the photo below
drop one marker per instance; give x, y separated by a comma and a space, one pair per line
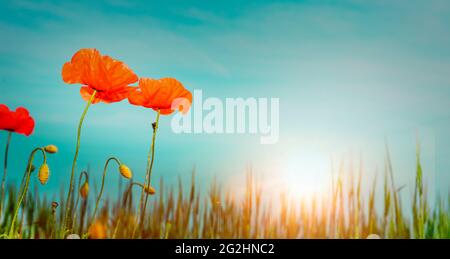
305, 175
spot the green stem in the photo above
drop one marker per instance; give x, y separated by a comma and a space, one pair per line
22, 216
4, 173
127, 194
74, 163
150, 167
103, 184
139, 184
25, 189
116, 229
149, 158
53, 222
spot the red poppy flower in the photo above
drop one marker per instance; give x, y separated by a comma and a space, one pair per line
18, 121
109, 77
165, 95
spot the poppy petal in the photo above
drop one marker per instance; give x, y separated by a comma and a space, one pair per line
108, 76
165, 111
83, 64
86, 93
163, 95
22, 111
26, 126
115, 96
118, 73
6, 119
18, 121
3, 108
136, 98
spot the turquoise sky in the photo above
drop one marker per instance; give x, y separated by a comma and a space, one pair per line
348, 74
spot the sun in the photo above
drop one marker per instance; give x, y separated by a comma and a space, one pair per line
305, 175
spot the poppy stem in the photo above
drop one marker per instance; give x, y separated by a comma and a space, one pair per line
4, 173
103, 184
53, 221
150, 165
25, 188
74, 163
127, 195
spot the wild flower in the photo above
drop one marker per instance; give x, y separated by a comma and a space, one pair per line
18, 121
103, 79
164, 96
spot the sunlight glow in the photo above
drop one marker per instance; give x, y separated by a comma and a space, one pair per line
305, 175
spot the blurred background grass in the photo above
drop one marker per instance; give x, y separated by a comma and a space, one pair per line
181, 211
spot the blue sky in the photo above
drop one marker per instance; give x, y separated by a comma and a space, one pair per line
348, 74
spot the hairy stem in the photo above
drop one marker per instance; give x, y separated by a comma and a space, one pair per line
150, 166
103, 184
25, 189
85, 174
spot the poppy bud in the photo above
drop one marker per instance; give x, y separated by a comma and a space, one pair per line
44, 173
149, 190
51, 149
97, 230
54, 206
125, 171
84, 190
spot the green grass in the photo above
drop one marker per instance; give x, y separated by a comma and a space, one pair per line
347, 211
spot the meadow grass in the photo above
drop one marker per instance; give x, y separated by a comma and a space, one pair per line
182, 211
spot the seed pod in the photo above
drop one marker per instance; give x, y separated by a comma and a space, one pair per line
125, 171
54, 206
44, 173
149, 190
84, 190
51, 149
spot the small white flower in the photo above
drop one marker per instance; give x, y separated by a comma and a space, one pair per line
73, 236
373, 236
